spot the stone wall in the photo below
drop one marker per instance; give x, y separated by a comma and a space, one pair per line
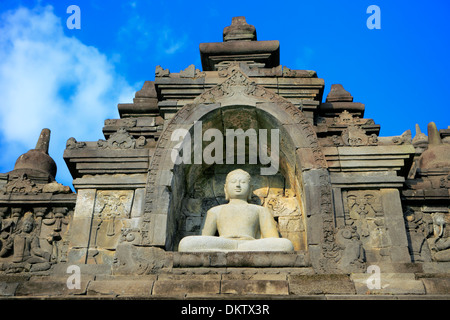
349, 200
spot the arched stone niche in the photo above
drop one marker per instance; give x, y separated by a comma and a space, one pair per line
303, 174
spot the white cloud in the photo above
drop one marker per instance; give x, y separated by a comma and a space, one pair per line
49, 80
170, 44
155, 37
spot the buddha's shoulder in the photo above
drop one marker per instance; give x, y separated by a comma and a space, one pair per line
258, 208
217, 208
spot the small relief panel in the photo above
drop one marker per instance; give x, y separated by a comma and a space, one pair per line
364, 211
113, 203
112, 209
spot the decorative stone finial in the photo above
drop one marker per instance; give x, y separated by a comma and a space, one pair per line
43, 141
339, 100
434, 137
239, 30
36, 164
420, 137
437, 156
339, 94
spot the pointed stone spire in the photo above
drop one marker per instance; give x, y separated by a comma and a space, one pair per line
434, 137
420, 138
418, 131
43, 141
437, 156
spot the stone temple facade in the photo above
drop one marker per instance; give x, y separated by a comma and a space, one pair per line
354, 205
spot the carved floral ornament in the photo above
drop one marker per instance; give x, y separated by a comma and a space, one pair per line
24, 185
121, 139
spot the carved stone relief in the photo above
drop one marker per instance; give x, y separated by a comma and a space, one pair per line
418, 226
439, 240
121, 139
23, 185
352, 255
364, 211
32, 240
53, 230
355, 136
428, 233
111, 208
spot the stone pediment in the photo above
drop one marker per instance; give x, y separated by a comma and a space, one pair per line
238, 89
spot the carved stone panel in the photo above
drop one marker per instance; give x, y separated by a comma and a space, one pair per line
33, 238
364, 210
112, 209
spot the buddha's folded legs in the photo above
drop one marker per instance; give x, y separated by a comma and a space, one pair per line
210, 243
206, 243
267, 244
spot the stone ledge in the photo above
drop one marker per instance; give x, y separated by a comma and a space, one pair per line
48, 286
240, 259
186, 287
245, 287
134, 288
230, 283
436, 285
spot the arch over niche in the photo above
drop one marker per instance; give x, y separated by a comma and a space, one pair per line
302, 164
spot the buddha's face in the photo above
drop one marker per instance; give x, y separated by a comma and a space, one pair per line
27, 226
237, 186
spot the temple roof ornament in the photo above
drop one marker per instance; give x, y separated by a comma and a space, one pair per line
36, 164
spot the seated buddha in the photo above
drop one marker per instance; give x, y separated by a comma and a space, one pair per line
241, 226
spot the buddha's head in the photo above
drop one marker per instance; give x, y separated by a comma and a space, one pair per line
237, 185
27, 222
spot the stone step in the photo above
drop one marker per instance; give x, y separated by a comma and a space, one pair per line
387, 283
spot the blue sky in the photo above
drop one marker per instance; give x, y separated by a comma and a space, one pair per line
71, 80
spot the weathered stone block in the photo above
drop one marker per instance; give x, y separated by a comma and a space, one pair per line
79, 232
187, 276
157, 230
437, 285
85, 203
395, 225
434, 267
8, 288
136, 288
77, 255
51, 286
390, 283
320, 284
173, 288
246, 274
199, 259
138, 203
249, 287
130, 259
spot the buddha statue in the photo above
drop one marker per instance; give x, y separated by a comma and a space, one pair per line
241, 226
26, 247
